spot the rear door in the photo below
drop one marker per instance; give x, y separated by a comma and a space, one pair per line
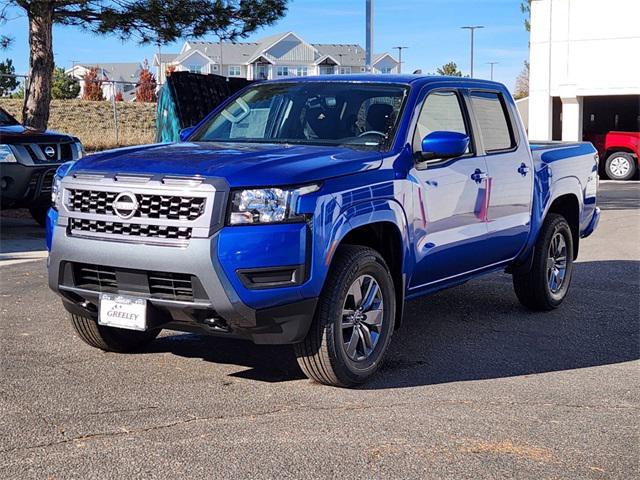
509, 187
449, 226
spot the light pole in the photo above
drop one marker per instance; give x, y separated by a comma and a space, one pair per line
492, 64
472, 29
400, 57
369, 33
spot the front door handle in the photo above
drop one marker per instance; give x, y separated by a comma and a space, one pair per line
478, 175
523, 169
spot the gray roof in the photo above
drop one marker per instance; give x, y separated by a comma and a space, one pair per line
123, 72
240, 53
344, 54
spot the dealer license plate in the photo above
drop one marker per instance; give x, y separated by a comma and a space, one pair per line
123, 312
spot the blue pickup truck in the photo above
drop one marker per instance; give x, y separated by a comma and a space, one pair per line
307, 211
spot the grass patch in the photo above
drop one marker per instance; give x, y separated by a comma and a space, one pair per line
92, 122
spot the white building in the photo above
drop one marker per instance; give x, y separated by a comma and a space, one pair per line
116, 78
585, 68
282, 55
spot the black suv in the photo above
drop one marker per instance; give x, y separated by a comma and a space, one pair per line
28, 161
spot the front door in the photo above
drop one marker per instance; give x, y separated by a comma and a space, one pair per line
510, 169
449, 198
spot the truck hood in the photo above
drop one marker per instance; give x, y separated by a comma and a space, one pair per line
17, 134
239, 164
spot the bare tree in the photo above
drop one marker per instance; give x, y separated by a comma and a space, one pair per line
522, 83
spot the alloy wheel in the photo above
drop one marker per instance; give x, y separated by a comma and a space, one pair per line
620, 166
362, 317
557, 262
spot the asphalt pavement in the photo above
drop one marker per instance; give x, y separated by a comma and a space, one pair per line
475, 386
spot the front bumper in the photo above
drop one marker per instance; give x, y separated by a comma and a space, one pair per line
217, 310
25, 185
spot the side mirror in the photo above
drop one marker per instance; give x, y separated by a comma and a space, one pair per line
185, 133
444, 145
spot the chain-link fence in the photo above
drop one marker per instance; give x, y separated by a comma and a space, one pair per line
116, 120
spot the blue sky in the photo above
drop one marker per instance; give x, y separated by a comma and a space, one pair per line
430, 28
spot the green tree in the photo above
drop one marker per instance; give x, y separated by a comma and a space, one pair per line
449, 69
18, 93
64, 86
149, 21
525, 7
7, 84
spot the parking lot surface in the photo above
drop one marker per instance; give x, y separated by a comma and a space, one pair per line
475, 386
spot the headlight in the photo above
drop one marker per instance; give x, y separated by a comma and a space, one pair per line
6, 154
266, 205
57, 178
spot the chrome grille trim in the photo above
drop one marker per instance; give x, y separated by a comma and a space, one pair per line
171, 207
169, 213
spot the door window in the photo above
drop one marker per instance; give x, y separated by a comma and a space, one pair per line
493, 121
441, 111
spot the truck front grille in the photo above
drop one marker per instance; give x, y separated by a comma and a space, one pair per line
129, 229
170, 207
164, 285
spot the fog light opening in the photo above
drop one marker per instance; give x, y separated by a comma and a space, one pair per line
216, 324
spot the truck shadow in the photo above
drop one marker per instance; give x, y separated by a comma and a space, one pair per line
473, 332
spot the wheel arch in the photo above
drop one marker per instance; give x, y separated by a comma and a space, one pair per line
568, 206
381, 225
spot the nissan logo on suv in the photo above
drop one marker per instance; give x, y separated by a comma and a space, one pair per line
50, 151
125, 205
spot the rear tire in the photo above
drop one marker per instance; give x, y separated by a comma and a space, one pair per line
546, 285
354, 320
111, 339
620, 166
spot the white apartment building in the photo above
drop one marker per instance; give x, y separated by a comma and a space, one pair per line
282, 55
585, 68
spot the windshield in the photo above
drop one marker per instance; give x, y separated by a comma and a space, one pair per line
358, 115
6, 119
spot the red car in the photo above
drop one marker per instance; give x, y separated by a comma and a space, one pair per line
620, 152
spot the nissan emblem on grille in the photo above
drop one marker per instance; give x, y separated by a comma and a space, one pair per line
125, 205
50, 151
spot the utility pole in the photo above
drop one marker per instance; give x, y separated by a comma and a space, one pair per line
400, 57
472, 29
369, 53
492, 64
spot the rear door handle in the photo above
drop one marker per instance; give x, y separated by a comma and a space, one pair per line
478, 175
523, 169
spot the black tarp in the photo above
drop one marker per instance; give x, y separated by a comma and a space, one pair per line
186, 98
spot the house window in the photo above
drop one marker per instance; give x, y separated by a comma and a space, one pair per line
282, 71
302, 71
326, 71
386, 69
195, 68
345, 70
234, 70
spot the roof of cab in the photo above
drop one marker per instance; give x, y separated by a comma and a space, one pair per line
387, 78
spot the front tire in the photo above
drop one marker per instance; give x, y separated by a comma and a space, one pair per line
620, 166
546, 285
354, 320
111, 339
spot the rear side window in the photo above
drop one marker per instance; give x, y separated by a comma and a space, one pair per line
440, 111
493, 121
